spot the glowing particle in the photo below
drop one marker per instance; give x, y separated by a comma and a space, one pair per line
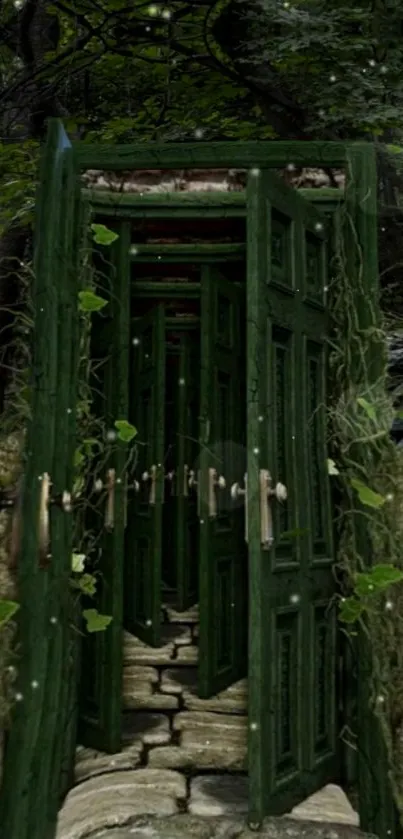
153, 10
332, 78
199, 133
389, 605
34, 684
255, 451
53, 619
166, 14
255, 172
136, 342
19, 697
295, 598
111, 435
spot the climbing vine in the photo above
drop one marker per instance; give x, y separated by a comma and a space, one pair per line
367, 469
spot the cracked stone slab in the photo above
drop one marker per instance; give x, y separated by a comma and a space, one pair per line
110, 800
177, 679
329, 804
233, 700
185, 826
155, 702
144, 674
212, 756
151, 729
90, 762
136, 652
202, 722
190, 616
218, 795
136, 687
187, 655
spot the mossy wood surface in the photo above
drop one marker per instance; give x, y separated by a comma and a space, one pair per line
30, 789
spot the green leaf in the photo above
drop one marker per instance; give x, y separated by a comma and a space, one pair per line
77, 563
385, 575
331, 467
8, 608
366, 495
126, 432
90, 302
350, 610
102, 234
87, 584
95, 621
78, 457
368, 408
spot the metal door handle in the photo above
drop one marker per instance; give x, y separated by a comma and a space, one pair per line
218, 481
193, 484
238, 492
151, 476
266, 493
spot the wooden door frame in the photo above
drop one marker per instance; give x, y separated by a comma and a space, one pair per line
360, 201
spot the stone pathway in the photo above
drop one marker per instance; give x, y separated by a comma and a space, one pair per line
116, 799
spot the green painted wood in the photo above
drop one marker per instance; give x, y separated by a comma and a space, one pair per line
101, 678
158, 289
293, 744
186, 523
199, 252
222, 553
376, 805
143, 546
237, 154
30, 790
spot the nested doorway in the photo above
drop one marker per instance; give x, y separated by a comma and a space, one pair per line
230, 410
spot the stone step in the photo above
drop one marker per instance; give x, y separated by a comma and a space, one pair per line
113, 799
90, 763
177, 679
203, 728
218, 795
233, 700
190, 616
150, 729
133, 700
328, 804
193, 757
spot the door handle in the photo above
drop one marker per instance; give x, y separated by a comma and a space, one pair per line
238, 492
193, 484
152, 477
266, 518
215, 481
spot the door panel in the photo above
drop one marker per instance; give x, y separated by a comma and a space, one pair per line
143, 544
292, 621
186, 522
222, 588
101, 656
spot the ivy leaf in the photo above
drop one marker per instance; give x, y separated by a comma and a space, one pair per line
384, 575
90, 302
364, 585
350, 610
8, 608
331, 467
95, 621
126, 432
77, 563
368, 408
102, 234
366, 495
87, 584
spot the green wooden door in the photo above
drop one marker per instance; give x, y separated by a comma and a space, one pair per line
36, 746
186, 521
143, 546
101, 655
293, 747
222, 563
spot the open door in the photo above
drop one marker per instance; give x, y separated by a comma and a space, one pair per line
186, 520
36, 744
292, 620
143, 545
222, 563
101, 655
